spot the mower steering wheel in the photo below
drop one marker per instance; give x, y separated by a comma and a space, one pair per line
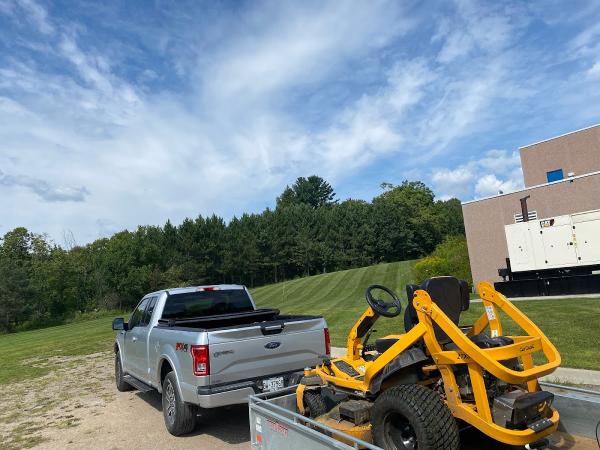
391, 309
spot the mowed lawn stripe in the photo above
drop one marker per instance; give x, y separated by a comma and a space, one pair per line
339, 296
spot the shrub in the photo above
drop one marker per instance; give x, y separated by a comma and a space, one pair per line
451, 257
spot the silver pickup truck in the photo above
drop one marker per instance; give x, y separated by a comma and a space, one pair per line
209, 346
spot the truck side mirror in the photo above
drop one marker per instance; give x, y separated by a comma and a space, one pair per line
119, 324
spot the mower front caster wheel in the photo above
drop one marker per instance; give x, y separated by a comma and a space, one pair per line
314, 404
411, 416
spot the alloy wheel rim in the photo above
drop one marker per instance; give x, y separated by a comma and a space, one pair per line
170, 397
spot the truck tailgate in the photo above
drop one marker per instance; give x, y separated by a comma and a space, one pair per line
261, 350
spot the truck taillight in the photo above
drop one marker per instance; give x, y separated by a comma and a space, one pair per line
327, 342
200, 361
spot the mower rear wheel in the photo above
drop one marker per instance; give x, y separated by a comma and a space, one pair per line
411, 416
314, 404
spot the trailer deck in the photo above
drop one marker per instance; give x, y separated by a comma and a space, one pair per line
275, 424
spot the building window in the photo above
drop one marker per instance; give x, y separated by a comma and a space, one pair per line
554, 175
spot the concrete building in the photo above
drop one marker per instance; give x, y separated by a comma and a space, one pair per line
561, 176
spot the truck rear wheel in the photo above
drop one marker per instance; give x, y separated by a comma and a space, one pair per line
180, 417
411, 416
122, 385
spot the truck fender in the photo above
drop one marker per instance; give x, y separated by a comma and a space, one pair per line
172, 362
117, 349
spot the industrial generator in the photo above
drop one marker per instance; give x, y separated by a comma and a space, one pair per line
552, 256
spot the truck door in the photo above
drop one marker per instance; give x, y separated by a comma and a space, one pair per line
133, 340
144, 356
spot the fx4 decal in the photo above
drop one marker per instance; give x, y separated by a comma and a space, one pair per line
180, 346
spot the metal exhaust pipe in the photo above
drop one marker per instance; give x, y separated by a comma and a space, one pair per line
524, 210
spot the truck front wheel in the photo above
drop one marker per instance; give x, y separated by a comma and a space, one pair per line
180, 417
122, 385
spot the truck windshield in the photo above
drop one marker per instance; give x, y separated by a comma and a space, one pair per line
207, 303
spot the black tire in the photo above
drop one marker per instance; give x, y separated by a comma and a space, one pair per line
314, 404
122, 385
412, 416
180, 417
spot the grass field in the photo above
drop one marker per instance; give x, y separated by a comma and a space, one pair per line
573, 324
338, 296
23, 355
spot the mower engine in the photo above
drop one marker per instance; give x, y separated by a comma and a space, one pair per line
519, 409
513, 406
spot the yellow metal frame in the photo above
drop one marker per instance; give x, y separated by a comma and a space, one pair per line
477, 413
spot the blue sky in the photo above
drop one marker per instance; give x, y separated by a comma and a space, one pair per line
114, 114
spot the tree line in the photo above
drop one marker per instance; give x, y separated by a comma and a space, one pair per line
308, 232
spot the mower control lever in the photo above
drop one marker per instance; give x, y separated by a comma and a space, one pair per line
386, 309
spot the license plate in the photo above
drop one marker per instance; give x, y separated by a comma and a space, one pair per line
272, 384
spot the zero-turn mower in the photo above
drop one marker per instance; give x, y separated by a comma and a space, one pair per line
414, 390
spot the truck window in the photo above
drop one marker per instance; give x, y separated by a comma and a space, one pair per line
207, 303
138, 314
149, 310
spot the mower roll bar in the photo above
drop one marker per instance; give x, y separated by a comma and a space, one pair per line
489, 359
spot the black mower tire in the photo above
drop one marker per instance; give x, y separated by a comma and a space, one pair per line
180, 417
314, 404
431, 423
122, 385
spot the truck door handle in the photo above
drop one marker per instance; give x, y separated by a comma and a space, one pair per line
134, 339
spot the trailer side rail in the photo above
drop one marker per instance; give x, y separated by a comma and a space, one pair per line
275, 424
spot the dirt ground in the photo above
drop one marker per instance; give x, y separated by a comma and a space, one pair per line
78, 407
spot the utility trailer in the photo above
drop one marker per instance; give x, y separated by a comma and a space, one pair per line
552, 256
275, 424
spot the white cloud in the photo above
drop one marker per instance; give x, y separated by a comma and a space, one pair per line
37, 14
371, 127
480, 177
478, 29
148, 157
278, 91
45, 190
298, 46
594, 71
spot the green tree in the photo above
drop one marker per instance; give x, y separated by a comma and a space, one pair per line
313, 191
309, 232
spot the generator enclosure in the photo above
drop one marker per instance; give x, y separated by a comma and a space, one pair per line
553, 256
556, 242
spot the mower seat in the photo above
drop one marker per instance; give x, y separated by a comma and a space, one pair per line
480, 340
483, 341
449, 293
452, 296
382, 344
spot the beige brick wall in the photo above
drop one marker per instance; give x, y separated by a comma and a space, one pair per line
577, 152
485, 219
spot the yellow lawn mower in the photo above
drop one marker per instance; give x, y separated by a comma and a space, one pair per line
413, 390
